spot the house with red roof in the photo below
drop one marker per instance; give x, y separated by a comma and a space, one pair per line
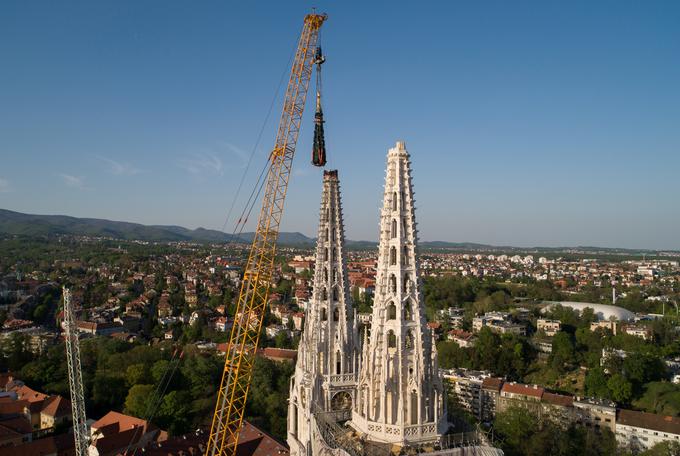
519, 395
115, 432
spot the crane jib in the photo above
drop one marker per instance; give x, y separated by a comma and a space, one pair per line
245, 332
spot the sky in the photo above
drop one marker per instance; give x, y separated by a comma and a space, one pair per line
528, 123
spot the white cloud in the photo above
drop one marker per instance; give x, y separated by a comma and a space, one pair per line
118, 168
242, 155
5, 187
202, 164
72, 181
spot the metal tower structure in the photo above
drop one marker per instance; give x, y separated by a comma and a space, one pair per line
245, 333
75, 377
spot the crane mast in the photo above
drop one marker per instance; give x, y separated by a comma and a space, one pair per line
75, 377
245, 333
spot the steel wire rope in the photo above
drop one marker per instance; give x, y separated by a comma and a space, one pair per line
257, 143
154, 396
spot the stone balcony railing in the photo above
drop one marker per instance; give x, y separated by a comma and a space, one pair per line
423, 432
341, 379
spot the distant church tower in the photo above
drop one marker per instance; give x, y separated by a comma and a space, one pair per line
327, 363
400, 398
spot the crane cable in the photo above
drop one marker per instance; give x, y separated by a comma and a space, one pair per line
252, 154
152, 407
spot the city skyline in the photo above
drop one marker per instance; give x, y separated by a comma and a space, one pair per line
528, 125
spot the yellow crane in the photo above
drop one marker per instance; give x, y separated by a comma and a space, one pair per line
250, 309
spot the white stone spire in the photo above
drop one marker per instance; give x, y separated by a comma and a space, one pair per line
399, 393
325, 373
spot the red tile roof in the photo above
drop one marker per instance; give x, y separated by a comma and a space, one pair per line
25, 393
669, 424
57, 406
526, 390
558, 399
120, 422
492, 383
60, 445
279, 354
252, 442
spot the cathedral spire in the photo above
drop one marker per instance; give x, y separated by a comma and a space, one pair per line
325, 373
400, 394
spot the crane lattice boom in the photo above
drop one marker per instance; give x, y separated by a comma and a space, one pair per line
245, 333
75, 377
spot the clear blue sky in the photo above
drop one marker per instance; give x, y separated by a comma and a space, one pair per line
528, 123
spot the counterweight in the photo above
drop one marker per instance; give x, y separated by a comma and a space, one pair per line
245, 333
75, 377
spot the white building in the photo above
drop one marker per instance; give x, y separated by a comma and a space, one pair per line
467, 387
640, 431
549, 327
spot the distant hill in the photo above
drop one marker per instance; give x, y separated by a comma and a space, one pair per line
49, 225
21, 224
17, 223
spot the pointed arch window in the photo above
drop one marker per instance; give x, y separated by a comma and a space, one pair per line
393, 256
393, 283
324, 294
414, 407
408, 341
336, 314
408, 312
394, 201
335, 293
324, 315
335, 274
393, 230
405, 225
325, 274
325, 254
391, 312
404, 258
391, 339
338, 363
334, 254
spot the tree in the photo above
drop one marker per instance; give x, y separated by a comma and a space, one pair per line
516, 425
137, 374
563, 355
173, 412
641, 368
663, 449
596, 383
282, 340
139, 399
108, 390
660, 397
451, 355
621, 389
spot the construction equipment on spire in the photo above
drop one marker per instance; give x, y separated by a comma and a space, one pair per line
75, 377
250, 309
319, 146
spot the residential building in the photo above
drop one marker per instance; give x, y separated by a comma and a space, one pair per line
640, 431
466, 385
519, 395
604, 324
549, 327
595, 413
